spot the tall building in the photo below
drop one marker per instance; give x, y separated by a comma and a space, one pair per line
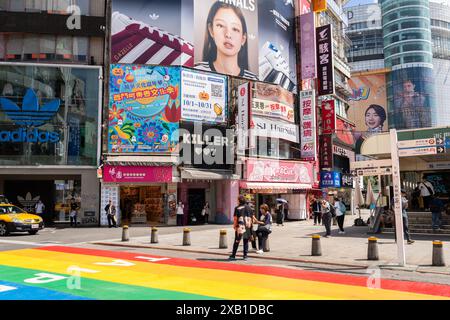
51, 71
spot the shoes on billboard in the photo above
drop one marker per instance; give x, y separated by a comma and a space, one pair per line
138, 43
273, 67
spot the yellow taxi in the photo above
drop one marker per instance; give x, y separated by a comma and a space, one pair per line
14, 219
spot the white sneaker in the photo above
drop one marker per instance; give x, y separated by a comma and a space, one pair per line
259, 252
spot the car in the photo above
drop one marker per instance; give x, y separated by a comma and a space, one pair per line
14, 219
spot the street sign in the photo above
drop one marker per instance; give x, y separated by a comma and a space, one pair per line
373, 172
370, 164
418, 143
418, 151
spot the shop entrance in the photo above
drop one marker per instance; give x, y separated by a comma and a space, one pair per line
141, 205
196, 201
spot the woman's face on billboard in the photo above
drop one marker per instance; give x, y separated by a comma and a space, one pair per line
373, 120
227, 32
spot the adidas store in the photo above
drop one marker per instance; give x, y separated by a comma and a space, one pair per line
49, 138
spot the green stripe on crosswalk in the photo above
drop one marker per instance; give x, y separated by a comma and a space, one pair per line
96, 289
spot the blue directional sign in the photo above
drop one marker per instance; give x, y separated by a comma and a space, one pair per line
330, 179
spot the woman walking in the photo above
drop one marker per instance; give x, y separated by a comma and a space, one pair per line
339, 206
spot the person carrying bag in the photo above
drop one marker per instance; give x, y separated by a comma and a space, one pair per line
242, 224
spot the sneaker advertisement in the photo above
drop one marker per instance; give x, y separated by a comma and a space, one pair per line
212, 35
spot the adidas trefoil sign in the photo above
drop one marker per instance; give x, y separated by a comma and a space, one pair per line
28, 117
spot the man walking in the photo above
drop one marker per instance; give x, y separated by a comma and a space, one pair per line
326, 217
427, 192
39, 208
436, 207
405, 218
242, 226
73, 213
180, 213
317, 211
111, 214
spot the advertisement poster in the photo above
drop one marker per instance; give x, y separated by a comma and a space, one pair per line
243, 117
144, 109
157, 32
305, 6
344, 132
368, 106
268, 128
328, 117
325, 66
279, 171
308, 130
273, 101
413, 98
203, 96
191, 32
308, 46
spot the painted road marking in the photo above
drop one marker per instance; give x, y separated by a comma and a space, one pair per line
201, 280
4, 288
23, 292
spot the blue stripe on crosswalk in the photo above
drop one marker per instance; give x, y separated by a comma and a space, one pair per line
14, 291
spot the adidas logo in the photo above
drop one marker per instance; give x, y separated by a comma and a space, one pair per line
30, 114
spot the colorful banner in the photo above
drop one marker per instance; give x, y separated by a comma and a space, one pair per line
133, 174
328, 117
204, 96
325, 66
190, 33
344, 132
144, 109
308, 46
273, 110
265, 127
308, 127
243, 117
326, 152
279, 171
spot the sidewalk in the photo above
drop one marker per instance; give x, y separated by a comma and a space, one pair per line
292, 242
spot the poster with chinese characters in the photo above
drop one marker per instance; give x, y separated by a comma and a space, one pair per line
325, 68
328, 117
308, 127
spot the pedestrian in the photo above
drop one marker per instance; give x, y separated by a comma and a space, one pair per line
111, 214
242, 226
255, 224
437, 206
426, 191
280, 213
326, 217
340, 209
39, 208
264, 226
73, 213
205, 212
317, 211
405, 217
180, 213
128, 208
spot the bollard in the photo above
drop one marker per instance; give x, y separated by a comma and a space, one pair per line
154, 237
265, 244
223, 243
186, 237
372, 251
316, 248
438, 254
125, 233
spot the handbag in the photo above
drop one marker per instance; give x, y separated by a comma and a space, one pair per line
255, 227
264, 229
203, 212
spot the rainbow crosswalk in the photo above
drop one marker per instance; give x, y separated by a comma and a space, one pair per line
51, 273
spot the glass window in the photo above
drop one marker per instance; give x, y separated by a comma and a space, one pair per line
47, 47
84, 6
35, 5
17, 5
14, 47
2, 47
80, 49
31, 47
63, 48
4, 4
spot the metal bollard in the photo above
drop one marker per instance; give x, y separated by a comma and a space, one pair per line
186, 237
316, 249
223, 243
154, 237
125, 233
265, 244
372, 251
438, 254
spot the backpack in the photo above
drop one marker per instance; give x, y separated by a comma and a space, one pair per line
342, 207
332, 211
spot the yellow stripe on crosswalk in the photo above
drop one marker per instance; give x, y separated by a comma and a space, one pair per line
209, 282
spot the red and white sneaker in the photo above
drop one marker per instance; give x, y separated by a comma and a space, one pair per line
136, 42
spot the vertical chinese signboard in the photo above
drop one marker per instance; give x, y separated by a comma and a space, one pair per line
243, 117
308, 125
308, 46
326, 152
325, 69
328, 117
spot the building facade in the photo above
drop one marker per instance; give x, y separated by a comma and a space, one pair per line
51, 93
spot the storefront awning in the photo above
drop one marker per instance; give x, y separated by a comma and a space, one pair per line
269, 185
196, 174
154, 161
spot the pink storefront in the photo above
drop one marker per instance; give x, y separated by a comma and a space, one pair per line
267, 180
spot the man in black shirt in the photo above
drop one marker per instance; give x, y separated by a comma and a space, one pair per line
242, 226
